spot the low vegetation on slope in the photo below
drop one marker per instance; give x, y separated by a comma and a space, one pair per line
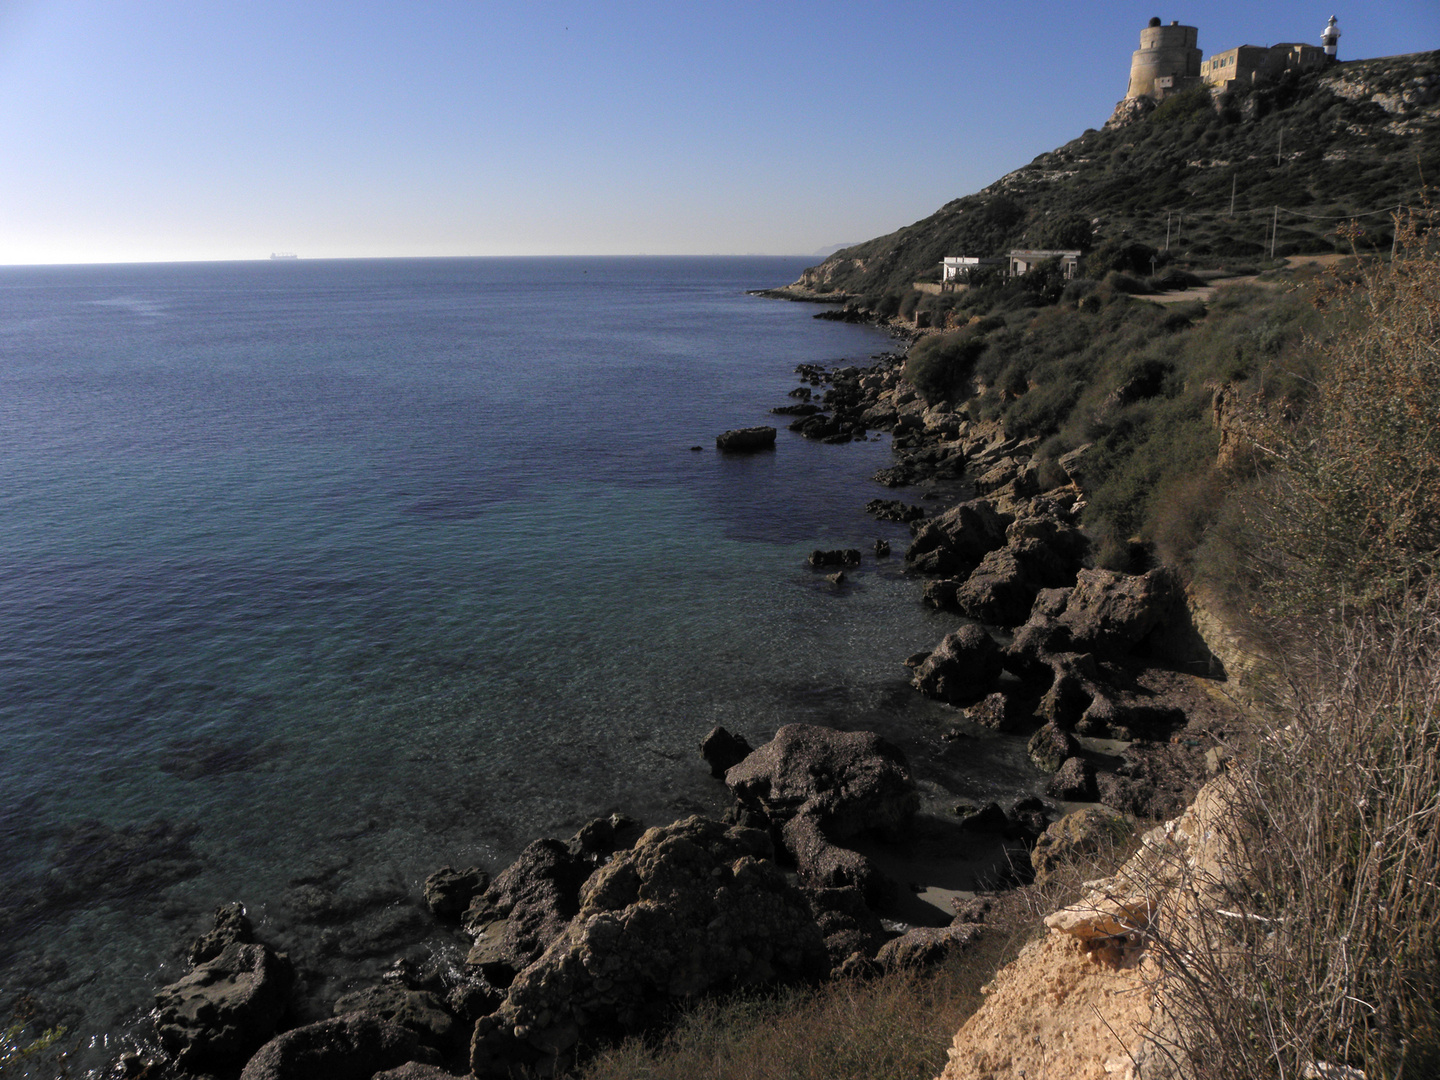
1133, 382
1199, 179
1326, 947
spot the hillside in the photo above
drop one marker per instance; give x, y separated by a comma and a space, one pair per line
1324, 147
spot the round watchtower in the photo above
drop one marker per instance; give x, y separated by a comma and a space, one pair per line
1166, 52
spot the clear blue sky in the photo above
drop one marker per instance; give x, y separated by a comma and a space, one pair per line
138, 130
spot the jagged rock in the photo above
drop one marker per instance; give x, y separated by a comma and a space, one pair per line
925, 946
1111, 716
838, 557
1084, 833
694, 908
421, 1011
939, 593
722, 751
823, 864
231, 927
894, 510
954, 543
1001, 712
964, 667
1111, 613
222, 1011
999, 591
882, 548
448, 891
352, 1047
1073, 689
1073, 464
1050, 746
847, 923
599, 837
525, 908
746, 440
850, 782
414, 1070
1074, 781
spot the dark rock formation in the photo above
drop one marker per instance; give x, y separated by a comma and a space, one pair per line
723, 750
926, 946
351, 1047
1074, 781
420, 1011
1050, 746
525, 908
231, 928
837, 557
849, 782
448, 891
694, 907
222, 1011
1001, 712
746, 440
1084, 833
954, 543
964, 667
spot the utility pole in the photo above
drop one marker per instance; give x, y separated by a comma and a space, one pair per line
1233, 178
1279, 146
1274, 228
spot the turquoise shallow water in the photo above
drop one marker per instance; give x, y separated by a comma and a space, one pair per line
372, 566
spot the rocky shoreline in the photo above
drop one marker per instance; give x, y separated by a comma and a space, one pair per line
583, 940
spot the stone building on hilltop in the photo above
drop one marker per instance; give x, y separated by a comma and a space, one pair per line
1169, 61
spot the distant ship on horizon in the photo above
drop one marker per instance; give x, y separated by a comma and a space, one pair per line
283, 255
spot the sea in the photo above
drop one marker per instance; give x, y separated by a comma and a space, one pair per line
316, 576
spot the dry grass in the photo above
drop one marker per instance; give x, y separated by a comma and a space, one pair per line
897, 1027
1318, 938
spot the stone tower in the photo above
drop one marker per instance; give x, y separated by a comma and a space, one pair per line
1167, 54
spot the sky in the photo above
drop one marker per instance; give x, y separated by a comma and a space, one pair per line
153, 130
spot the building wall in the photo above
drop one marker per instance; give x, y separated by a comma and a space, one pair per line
1165, 52
1251, 64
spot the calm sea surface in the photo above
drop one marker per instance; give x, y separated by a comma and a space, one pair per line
320, 575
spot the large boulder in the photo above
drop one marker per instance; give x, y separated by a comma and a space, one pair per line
954, 543
1050, 747
421, 1011
351, 1047
694, 908
221, 1012
849, 782
1083, 834
746, 440
926, 946
448, 892
964, 667
722, 751
1111, 613
525, 908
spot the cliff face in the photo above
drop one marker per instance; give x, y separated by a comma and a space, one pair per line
1359, 137
1084, 1001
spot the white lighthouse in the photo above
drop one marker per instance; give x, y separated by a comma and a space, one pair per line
1330, 38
